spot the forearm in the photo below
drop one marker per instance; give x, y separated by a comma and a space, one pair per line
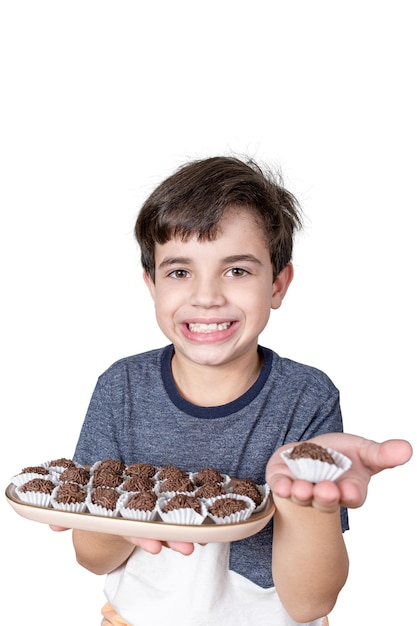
100, 553
310, 562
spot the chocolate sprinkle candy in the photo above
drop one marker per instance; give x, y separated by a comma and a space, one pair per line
310, 450
141, 469
79, 475
169, 471
144, 501
70, 493
226, 506
247, 487
35, 469
138, 483
62, 462
112, 465
208, 475
105, 496
177, 483
43, 485
106, 478
210, 490
181, 501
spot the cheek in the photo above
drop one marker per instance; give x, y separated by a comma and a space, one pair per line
256, 304
262, 303
262, 297
166, 304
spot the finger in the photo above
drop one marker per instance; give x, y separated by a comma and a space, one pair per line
182, 547
323, 496
352, 492
388, 454
326, 497
149, 545
58, 529
302, 492
281, 485
154, 546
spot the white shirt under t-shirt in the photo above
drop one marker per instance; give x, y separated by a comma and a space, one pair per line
196, 590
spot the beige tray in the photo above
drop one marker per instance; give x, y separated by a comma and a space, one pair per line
204, 533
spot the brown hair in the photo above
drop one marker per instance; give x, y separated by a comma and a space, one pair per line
192, 201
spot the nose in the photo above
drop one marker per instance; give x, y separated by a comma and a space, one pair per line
207, 292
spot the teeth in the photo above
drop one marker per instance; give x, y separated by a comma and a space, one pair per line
208, 328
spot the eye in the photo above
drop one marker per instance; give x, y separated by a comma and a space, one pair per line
178, 274
237, 272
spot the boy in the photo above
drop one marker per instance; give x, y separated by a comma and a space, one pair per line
216, 241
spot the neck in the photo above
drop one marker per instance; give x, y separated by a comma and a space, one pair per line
215, 385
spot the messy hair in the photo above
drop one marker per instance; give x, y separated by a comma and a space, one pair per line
192, 201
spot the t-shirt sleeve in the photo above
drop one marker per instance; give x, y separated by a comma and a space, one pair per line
327, 418
98, 437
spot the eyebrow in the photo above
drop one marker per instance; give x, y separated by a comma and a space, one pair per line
174, 260
239, 258
235, 258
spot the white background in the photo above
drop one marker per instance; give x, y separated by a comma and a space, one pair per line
100, 101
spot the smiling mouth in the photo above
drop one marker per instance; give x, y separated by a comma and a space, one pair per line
207, 328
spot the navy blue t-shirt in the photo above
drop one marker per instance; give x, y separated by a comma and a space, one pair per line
136, 414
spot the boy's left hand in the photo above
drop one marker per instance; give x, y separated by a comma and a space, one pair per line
368, 458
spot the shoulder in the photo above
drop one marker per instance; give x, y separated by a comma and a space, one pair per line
299, 373
135, 365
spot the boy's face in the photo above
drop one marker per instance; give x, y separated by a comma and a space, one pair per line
213, 298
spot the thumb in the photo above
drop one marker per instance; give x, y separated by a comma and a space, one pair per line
388, 454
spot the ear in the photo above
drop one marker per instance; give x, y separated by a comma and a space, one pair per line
280, 285
150, 284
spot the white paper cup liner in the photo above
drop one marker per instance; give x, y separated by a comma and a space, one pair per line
94, 467
76, 507
234, 518
265, 491
139, 516
135, 514
314, 470
97, 509
36, 498
167, 495
20, 479
185, 516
